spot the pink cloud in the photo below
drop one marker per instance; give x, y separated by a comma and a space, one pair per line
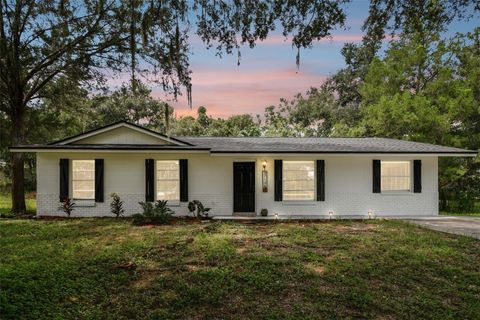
228, 92
225, 93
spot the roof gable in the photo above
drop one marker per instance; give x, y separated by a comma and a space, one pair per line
122, 133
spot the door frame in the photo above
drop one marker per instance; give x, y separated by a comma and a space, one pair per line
254, 187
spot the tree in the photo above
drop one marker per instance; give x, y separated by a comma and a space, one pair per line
424, 18
429, 92
309, 115
189, 126
41, 41
387, 20
204, 125
242, 125
133, 105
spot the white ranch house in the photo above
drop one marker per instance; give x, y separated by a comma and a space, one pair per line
303, 177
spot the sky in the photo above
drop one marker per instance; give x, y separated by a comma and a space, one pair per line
268, 71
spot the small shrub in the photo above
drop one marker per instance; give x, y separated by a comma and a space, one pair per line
158, 213
264, 212
116, 206
148, 209
198, 210
67, 206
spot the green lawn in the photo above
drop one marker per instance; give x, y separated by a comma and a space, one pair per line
6, 203
108, 269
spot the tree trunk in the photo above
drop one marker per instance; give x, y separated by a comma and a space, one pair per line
443, 199
17, 161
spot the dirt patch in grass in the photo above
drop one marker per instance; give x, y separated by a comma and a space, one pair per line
315, 268
357, 227
145, 279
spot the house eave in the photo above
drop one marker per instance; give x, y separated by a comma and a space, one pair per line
342, 153
173, 149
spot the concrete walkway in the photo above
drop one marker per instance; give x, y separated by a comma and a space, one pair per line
466, 226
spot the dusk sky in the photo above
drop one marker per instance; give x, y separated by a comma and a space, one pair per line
268, 71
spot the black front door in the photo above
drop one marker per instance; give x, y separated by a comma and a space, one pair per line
244, 186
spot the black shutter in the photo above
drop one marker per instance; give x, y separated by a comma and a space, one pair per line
64, 179
278, 180
183, 180
98, 180
417, 176
149, 180
320, 180
376, 176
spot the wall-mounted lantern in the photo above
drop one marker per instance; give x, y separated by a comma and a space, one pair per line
264, 176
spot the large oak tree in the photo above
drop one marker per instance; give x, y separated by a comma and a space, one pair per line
42, 41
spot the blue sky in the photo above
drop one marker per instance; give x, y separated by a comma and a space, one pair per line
268, 72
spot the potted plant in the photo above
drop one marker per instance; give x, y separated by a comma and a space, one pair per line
264, 212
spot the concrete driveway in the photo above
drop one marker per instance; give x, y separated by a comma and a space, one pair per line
467, 226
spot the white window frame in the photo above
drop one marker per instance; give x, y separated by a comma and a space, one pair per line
410, 176
170, 201
309, 200
73, 180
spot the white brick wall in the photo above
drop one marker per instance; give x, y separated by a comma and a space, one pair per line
348, 181
348, 185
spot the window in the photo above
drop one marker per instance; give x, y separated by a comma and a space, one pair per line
168, 180
83, 179
395, 175
298, 180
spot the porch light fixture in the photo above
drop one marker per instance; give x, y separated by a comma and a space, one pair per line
264, 164
264, 176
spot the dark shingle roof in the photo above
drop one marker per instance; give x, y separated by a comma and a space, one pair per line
253, 144
316, 145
